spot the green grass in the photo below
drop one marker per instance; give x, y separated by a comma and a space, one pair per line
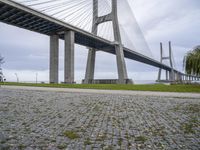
155, 87
62, 146
71, 135
142, 139
188, 128
87, 141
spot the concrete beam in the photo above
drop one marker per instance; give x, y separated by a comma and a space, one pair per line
69, 57
103, 19
54, 59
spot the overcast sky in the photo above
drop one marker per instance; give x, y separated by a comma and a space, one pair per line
27, 53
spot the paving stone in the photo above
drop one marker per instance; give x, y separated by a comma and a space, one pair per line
60, 120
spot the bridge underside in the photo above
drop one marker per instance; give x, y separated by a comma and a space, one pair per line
27, 20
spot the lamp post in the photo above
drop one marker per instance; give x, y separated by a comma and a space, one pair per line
36, 77
1, 72
17, 77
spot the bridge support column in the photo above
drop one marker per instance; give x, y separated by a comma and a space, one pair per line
89, 75
121, 66
176, 77
69, 57
161, 59
172, 76
90, 68
167, 76
54, 59
180, 78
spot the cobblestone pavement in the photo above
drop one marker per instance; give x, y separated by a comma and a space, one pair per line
59, 120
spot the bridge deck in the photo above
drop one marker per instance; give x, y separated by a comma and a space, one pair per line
21, 16
24, 17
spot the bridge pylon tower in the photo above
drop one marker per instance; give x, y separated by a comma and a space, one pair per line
171, 76
121, 66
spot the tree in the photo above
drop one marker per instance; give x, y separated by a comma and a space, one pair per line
192, 62
1, 60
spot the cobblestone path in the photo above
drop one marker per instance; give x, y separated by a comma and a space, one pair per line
57, 120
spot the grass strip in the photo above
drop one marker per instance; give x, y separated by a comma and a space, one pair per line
149, 87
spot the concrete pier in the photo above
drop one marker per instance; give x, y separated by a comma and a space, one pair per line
90, 68
69, 57
54, 59
121, 66
161, 60
167, 75
171, 76
89, 75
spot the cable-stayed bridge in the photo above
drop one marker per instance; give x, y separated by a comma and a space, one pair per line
91, 23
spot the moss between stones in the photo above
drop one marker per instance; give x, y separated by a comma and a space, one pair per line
71, 135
